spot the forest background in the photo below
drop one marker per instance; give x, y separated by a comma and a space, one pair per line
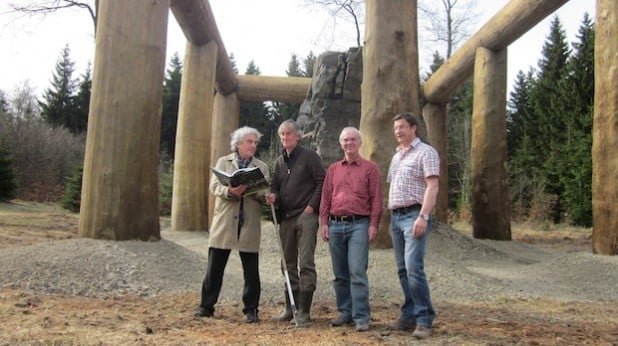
549, 122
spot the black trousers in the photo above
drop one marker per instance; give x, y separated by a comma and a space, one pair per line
211, 287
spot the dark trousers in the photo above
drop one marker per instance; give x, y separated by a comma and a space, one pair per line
211, 287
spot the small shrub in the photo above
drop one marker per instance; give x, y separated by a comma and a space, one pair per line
71, 199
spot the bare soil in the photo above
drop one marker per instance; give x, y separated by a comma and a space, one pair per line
34, 318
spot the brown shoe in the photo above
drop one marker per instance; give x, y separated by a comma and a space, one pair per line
422, 332
401, 325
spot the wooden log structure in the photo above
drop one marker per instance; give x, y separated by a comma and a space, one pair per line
510, 23
605, 130
120, 190
197, 22
390, 84
225, 120
193, 139
491, 217
264, 88
435, 116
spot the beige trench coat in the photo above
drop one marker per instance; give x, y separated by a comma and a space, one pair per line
224, 228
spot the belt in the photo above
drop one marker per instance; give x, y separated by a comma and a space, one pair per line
347, 218
408, 209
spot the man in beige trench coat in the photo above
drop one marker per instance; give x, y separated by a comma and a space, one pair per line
235, 226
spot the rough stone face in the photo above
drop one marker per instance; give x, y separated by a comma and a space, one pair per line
333, 102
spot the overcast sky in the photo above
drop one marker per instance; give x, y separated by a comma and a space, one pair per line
266, 31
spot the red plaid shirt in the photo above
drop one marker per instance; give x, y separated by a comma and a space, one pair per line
352, 188
407, 172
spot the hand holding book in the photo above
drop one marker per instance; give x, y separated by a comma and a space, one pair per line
250, 176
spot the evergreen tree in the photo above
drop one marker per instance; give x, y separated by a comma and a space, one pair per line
520, 115
71, 199
256, 115
79, 122
282, 111
171, 99
308, 62
8, 179
576, 88
58, 106
546, 101
522, 158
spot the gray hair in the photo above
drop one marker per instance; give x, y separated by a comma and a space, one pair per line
239, 135
291, 124
353, 129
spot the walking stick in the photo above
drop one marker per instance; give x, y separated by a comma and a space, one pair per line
288, 284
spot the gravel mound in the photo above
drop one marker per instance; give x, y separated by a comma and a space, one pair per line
458, 268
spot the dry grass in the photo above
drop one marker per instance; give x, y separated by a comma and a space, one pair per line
36, 318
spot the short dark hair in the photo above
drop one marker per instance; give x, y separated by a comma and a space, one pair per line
407, 116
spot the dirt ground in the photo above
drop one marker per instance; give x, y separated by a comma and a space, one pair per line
36, 318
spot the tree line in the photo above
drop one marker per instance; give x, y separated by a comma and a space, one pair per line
549, 129
42, 140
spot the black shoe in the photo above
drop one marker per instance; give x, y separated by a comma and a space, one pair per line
202, 312
251, 316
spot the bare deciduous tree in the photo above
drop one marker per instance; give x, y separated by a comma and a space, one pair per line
344, 9
44, 7
447, 21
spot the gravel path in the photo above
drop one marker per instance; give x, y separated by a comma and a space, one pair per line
458, 268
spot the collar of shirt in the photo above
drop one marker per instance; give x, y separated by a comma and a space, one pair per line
412, 145
350, 162
289, 157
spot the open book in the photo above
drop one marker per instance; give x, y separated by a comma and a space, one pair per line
250, 176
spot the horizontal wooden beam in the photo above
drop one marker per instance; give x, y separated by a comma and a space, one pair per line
510, 23
266, 88
197, 22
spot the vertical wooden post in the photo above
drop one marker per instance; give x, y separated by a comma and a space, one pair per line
193, 139
435, 115
491, 217
226, 114
390, 83
605, 130
120, 191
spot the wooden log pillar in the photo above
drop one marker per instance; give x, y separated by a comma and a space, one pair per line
193, 139
435, 115
605, 130
226, 112
120, 191
390, 84
491, 217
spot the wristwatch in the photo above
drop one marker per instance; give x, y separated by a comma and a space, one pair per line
424, 217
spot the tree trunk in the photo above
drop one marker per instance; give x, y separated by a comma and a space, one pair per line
435, 117
605, 131
120, 192
193, 139
390, 84
491, 217
225, 120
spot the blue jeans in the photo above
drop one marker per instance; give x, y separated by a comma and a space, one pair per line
349, 250
409, 255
